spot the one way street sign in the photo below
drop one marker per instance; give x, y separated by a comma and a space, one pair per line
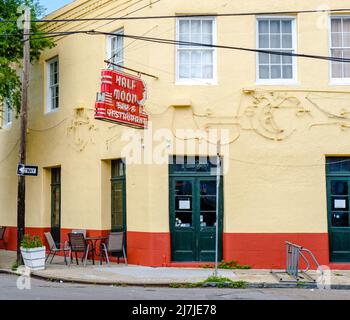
23, 170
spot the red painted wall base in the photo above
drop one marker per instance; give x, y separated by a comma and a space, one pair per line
258, 250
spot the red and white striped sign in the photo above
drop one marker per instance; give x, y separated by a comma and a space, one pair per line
121, 99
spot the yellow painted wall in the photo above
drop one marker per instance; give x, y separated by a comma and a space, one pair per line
276, 180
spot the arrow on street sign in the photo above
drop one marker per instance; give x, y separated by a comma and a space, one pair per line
23, 170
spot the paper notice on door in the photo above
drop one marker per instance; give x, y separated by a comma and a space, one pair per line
184, 204
339, 204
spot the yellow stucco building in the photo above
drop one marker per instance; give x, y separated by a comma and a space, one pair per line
283, 123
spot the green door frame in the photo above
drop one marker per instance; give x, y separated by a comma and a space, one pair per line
200, 235
118, 177
56, 186
339, 237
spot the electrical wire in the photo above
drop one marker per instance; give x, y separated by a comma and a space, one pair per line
193, 44
236, 14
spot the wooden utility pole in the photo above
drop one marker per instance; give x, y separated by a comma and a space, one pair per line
22, 148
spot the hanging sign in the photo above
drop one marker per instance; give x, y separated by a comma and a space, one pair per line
121, 99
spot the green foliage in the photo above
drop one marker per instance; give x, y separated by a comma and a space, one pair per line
11, 47
30, 243
14, 266
220, 282
228, 265
232, 265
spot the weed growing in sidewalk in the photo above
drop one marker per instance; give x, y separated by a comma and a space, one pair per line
231, 264
212, 281
14, 266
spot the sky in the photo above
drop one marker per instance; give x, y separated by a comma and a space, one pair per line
52, 5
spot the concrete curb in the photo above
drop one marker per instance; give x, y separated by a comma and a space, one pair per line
249, 285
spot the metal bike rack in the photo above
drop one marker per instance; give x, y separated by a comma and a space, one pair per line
293, 254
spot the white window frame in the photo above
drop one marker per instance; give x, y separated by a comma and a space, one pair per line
200, 82
294, 80
335, 81
7, 113
109, 49
49, 107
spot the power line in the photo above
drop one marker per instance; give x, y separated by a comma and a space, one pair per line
188, 15
192, 44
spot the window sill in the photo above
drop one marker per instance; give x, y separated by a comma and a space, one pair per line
7, 126
48, 112
340, 82
277, 83
196, 83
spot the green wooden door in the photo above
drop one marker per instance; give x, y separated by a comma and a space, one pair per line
118, 198
193, 218
338, 191
56, 204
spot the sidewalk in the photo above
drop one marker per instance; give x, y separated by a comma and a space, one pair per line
139, 275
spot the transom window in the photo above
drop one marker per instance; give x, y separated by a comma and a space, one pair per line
116, 49
53, 85
340, 47
276, 34
196, 63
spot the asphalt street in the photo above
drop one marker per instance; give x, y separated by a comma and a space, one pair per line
44, 290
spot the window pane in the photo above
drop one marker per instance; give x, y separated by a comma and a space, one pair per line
184, 57
207, 57
184, 37
275, 72
340, 219
275, 59
287, 59
287, 41
337, 66
336, 40
184, 26
207, 39
207, 26
287, 72
346, 40
275, 26
263, 58
264, 72
346, 25
336, 70
184, 71
196, 57
207, 72
336, 25
339, 188
287, 26
196, 38
275, 41
196, 71
264, 41
195, 26
263, 26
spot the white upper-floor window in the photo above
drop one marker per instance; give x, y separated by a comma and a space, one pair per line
7, 114
196, 64
276, 34
340, 48
52, 85
115, 50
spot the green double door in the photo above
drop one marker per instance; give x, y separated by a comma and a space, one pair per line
193, 218
338, 191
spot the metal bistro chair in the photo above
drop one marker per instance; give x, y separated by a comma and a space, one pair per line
115, 244
2, 235
77, 243
80, 231
53, 247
